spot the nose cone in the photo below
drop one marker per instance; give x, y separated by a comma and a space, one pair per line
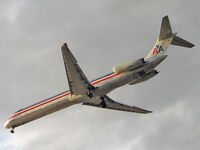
7, 124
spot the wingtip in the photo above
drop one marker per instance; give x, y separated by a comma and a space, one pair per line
65, 45
192, 45
166, 16
149, 112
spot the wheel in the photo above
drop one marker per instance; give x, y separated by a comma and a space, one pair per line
89, 94
12, 131
103, 104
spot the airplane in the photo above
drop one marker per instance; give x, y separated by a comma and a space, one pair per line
94, 93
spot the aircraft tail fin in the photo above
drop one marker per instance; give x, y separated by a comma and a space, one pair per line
167, 37
165, 30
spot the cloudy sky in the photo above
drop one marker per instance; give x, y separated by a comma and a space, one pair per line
100, 34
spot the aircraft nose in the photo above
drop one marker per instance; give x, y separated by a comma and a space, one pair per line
7, 124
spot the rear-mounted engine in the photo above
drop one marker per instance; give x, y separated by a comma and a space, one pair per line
129, 66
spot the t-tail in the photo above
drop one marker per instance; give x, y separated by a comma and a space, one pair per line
166, 38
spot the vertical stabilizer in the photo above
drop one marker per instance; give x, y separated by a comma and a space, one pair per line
164, 39
165, 30
167, 37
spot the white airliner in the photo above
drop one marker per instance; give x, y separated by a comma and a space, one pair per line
94, 93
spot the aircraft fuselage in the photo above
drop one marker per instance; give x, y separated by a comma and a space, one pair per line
102, 87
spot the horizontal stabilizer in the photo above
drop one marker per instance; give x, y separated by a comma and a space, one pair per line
111, 104
181, 42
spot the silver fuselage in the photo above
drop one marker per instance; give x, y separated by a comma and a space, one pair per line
103, 86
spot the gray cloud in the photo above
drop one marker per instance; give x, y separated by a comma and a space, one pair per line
106, 33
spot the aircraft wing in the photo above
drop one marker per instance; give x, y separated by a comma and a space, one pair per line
111, 104
78, 83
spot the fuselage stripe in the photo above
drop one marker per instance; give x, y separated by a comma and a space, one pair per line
61, 96
39, 105
105, 78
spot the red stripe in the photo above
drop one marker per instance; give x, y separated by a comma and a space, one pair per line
59, 97
39, 105
105, 78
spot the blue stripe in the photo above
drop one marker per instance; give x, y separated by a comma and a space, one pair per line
102, 77
40, 102
59, 94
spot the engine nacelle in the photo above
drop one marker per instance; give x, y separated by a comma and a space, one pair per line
129, 66
145, 78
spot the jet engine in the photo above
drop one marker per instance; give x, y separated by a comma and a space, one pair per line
129, 66
145, 77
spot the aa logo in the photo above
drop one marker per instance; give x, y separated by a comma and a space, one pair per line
158, 49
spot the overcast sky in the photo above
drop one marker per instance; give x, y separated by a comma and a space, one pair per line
100, 34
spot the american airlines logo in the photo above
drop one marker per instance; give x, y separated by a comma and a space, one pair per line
158, 49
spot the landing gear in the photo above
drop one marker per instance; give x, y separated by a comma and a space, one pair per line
103, 103
89, 94
12, 131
